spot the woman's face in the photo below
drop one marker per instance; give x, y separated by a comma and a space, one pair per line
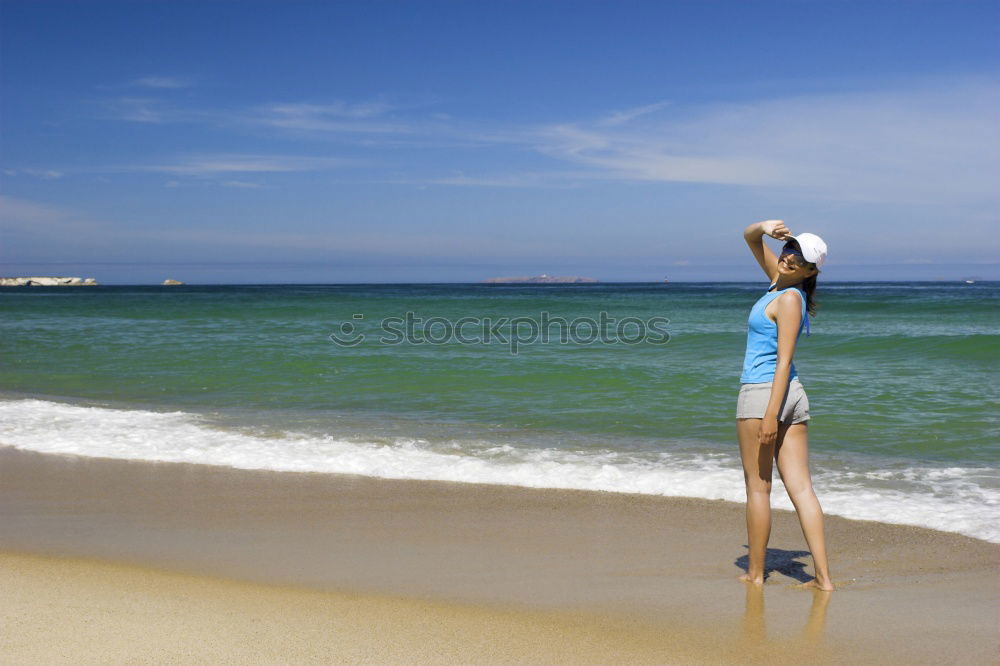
794, 265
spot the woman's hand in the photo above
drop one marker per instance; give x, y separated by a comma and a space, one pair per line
767, 435
775, 229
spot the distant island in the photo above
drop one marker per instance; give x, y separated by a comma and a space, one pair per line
47, 282
541, 279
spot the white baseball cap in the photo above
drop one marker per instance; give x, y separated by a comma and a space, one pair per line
812, 246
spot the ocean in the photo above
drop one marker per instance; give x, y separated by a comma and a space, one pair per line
632, 390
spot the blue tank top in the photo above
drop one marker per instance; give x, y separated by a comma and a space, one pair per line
762, 340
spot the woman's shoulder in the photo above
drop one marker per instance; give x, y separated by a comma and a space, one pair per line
791, 295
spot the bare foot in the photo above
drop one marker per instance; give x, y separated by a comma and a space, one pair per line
814, 584
756, 580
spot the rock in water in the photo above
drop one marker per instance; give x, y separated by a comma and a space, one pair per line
541, 279
47, 282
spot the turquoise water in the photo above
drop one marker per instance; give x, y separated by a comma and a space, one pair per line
902, 380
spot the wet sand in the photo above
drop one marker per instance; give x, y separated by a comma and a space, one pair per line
107, 560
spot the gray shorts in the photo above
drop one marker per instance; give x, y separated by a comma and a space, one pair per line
753, 399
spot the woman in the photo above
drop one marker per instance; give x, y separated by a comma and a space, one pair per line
772, 410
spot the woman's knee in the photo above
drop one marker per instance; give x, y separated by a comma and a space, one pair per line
757, 485
797, 489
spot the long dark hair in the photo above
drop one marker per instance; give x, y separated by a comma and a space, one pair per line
808, 286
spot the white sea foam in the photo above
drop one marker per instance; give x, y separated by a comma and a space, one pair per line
953, 499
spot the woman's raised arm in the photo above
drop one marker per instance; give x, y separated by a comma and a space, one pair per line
754, 236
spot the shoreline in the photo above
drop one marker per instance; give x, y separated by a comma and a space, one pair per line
658, 566
859, 487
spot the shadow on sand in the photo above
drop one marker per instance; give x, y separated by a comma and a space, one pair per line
782, 561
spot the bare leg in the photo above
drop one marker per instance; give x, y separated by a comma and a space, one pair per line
792, 454
757, 466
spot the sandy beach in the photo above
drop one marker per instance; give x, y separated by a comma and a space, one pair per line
119, 561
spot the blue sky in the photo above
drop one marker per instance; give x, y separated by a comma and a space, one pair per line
456, 141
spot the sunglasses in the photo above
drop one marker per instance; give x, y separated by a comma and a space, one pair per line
794, 258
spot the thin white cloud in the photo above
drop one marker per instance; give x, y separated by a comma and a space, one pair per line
210, 165
327, 119
521, 180
162, 82
334, 109
933, 142
44, 174
628, 115
336, 117
242, 184
139, 110
152, 109
198, 166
